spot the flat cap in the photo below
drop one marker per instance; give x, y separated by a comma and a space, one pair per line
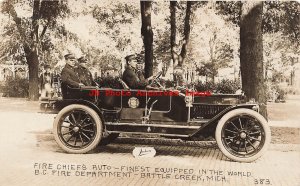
82, 60
69, 56
130, 57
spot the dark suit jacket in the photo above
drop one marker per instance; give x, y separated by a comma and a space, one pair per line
134, 80
70, 76
85, 76
69, 79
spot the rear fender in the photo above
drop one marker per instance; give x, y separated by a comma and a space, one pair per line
61, 104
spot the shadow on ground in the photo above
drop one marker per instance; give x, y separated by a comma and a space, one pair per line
164, 147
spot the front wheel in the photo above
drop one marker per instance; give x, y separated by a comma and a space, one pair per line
243, 135
77, 129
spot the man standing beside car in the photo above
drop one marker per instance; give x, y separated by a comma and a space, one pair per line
46, 83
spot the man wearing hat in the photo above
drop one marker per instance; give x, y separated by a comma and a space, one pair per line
133, 75
70, 75
85, 75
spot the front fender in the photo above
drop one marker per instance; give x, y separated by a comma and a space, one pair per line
212, 123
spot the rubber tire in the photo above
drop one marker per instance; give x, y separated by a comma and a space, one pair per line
252, 113
108, 139
97, 120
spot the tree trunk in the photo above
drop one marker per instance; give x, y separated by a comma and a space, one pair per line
173, 32
213, 78
30, 48
212, 56
178, 60
32, 54
33, 67
294, 60
186, 32
251, 52
147, 35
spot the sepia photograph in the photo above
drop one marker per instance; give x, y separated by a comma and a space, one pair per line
130, 92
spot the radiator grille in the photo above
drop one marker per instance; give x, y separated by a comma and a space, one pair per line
206, 111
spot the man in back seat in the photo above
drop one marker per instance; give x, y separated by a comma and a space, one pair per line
70, 76
85, 76
70, 73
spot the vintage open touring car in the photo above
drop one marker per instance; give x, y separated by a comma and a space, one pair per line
87, 116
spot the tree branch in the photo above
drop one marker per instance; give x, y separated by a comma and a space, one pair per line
11, 11
44, 29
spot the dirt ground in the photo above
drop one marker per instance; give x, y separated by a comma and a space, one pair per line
286, 114
288, 111
285, 135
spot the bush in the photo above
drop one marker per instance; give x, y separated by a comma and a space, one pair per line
276, 93
109, 82
271, 92
227, 86
281, 94
292, 90
208, 86
15, 87
2, 89
224, 87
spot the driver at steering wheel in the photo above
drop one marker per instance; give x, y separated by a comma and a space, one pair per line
133, 75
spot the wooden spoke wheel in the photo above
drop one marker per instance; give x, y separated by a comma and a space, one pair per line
77, 129
243, 135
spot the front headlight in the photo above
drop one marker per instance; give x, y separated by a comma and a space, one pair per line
188, 100
255, 108
251, 101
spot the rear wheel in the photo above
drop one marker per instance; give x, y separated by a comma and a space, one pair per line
77, 129
243, 135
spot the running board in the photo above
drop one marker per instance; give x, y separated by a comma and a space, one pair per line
155, 129
199, 120
153, 125
153, 134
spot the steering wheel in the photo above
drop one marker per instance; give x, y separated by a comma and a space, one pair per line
155, 80
158, 74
